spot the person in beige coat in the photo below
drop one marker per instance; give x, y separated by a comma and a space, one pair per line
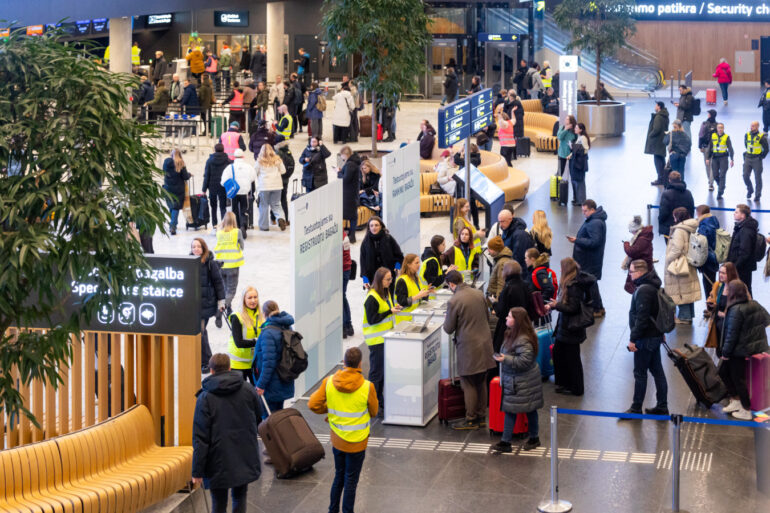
501, 254
681, 279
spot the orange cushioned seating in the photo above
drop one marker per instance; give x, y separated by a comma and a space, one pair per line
532, 105
113, 466
538, 126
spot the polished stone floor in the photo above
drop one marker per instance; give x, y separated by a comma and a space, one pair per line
604, 465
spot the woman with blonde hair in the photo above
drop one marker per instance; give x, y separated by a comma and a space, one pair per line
409, 291
229, 251
174, 182
369, 185
541, 233
245, 328
269, 167
462, 220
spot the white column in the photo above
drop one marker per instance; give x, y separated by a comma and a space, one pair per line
120, 45
275, 29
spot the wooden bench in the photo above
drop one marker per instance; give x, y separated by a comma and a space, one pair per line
433, 202
532, 105
538, 126
113, 466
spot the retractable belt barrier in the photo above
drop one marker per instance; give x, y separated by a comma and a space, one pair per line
720, 209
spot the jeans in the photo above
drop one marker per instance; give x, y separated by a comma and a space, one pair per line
377, 371
217, 198
562, 165
240, 209
709, 171
719, 167
510, 422
346, 319
226, 78
687, 311
219, 499
353, 222
686, 127
677, 162
752, 164
347, 469
579, 190
660, 164
765, 120
230, 277
733, 373
723, 87
486, 147
174, 219
269, 200
647, 358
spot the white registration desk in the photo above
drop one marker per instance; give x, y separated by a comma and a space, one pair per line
412, 373
437, 309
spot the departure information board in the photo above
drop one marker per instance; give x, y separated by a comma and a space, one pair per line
463, 118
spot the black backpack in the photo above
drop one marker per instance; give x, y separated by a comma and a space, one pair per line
528, 82
293, 360
760, 246
696, 106
288, 162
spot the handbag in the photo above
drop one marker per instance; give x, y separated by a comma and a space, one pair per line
582, 319
679, 267
353, 269
435, 188
231, 186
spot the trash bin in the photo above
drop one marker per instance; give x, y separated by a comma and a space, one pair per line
762, 456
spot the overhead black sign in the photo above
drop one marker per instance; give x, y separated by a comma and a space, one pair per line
667, 10
101, 25
463, 118
485, 37
159, 20
169, 304
231, 18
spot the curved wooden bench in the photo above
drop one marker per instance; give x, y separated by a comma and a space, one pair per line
532, 105
113, 466
433, 202
538, 126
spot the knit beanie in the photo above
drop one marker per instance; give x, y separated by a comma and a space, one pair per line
496, 244
635, 225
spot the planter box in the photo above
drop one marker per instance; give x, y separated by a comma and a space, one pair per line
605, 120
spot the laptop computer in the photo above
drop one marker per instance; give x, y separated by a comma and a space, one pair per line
418, 328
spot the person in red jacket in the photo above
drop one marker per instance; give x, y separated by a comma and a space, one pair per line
638, 248
724, 77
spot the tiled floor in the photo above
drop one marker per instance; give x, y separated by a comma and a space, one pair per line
605, 465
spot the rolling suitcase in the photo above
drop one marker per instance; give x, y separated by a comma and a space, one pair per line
711, 96
523, 145
496, 415
554, 187
699, 372
199, 208
364, 126
289, 441
759, 381
296, 189
451, 400
563, 191
544, 358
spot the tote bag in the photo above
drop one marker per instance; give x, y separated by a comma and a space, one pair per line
231, 186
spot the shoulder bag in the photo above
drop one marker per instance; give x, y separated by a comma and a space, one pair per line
231, 186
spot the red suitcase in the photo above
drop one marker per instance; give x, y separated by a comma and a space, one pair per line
759, 381
496, 415
451, 400
711, 96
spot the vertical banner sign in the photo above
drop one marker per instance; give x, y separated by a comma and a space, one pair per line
401, 196
316, 263
568, 69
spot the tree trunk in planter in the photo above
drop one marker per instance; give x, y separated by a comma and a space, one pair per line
374, 124
598, 73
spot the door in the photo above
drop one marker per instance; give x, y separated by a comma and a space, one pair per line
441, 54
499, 65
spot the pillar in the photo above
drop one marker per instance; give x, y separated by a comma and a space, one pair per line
120, 45
275, 30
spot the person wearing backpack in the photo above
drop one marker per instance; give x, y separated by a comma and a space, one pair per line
267, 356
685, 107
676, 195
638, 248
316, 105
681, 278
743, 245
645, 339
708, 127
539, 276
708, 226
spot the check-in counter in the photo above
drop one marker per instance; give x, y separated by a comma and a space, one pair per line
436, 309
412, 373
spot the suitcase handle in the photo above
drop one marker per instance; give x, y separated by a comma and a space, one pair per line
264, 401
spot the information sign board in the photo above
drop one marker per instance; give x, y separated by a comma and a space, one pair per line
463, 118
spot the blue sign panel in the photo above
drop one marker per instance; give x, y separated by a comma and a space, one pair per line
463, 118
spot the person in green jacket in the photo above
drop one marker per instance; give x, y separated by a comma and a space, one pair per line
566, 136
206, 99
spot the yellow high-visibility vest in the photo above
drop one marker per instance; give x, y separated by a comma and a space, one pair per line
476, 239
412, 289
421, 275
753, 146
286, 132
135, 52
228, 250
718, 144
460, 261
373, 333
241, 357
348, 413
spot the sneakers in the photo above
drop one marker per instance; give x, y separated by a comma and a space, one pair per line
756, 198
502, 447
733, 405
532, 443
348, 331
711, 186
466, 425
742, 414
719, 196
658, 410
656, 183
282, 224
748, 194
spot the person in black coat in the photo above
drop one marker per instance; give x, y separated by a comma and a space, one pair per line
283, 151
589, 248
225, 446
379, 249
574, 290
313, 160
450, 86
432, 261
175, 176
350, 173
743, 243
190, 99
676, 195
515, 293
261, 136
212, 295
212, 181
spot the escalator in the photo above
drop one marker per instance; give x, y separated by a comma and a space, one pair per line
631, 69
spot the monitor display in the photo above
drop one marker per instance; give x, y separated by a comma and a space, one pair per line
35, 30
101, 25
231, 18
83, 26
159, 20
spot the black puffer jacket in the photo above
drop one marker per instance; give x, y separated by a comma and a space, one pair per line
173, 182
676, 195
515, 293
520, 378
350, 179
212, 287
569, 306
215, 166
313, 162
644, 307
742, 245
377, 251
743, 332
225, 447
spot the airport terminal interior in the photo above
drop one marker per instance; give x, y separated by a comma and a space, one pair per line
604, 463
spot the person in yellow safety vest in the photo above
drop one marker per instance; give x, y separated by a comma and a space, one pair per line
285, 123
136, 53
431, 269
409, 291
229, 251
756, 151
464, 254
716, 156
349, 402
546, 75
764, 102
379, 309
462, 219
245, 328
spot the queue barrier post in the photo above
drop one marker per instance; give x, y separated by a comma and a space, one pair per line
676, 445
554, 505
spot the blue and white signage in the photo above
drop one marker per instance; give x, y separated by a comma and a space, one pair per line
463, 118
725, 10
485, 37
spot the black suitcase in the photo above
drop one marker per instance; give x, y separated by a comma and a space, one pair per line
250, 211
199, 206
296, 189
699, 372
563, 191
523, 147
289, 441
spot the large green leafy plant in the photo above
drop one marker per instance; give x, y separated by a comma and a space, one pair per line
599, 26
74, 174
390, 36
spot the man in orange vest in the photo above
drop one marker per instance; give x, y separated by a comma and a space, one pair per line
232, 140
236, 105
